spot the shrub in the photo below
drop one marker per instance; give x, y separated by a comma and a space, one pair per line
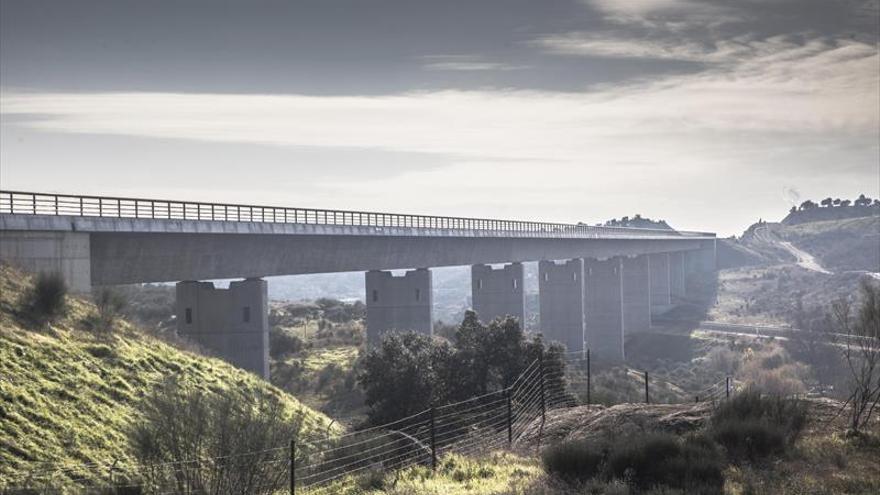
110, 305
282, 342
662, 460
751, 426
574, 460
655, 460
47, 300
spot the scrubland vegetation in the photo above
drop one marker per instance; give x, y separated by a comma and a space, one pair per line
72, 395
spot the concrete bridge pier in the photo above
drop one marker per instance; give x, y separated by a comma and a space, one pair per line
636, 294
561, 301
398, 303
677, 276
498, 293
661, 283
603, 304
232, 322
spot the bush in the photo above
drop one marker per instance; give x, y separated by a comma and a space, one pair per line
574, 460
282, 342
655, 460
661, 459
47, 300
751, 426
110, 305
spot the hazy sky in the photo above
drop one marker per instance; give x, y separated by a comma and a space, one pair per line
709, 114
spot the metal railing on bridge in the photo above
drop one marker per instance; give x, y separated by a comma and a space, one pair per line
33, 203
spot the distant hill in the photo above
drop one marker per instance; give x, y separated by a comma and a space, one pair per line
821, 214
68, 395
638, 222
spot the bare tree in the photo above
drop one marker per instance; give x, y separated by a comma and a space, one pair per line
860, 327
192, 441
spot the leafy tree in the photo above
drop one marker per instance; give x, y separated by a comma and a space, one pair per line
807, 205
863, 200
845, 202
402, 376
827, 202
409, 371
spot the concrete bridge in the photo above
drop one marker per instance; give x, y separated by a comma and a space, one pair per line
597, 284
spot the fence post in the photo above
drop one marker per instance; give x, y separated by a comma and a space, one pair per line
509, 419
647, 397
727, 386
56, 204
292, 466
433, 441
588, 377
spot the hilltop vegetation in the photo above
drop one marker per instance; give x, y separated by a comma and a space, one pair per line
71, 393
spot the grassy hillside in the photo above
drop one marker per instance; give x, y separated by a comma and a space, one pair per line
849, 244
70, 394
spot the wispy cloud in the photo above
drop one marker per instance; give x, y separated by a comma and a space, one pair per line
465, 63
764, 98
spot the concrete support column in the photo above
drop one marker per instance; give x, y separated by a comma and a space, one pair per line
498, 293
232, 322
636, 294
67, 253
603, 305
398, 303
661, 285
561, 302
677, 276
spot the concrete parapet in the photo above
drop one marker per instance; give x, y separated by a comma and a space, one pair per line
603, 301
636, 295
498, 293
67, 253
232, 322
561, 301
398, 303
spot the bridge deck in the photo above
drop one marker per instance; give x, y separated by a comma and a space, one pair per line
41, 211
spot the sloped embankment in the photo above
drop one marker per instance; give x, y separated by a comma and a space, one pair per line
68, 395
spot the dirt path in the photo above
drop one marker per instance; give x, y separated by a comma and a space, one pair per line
804, 259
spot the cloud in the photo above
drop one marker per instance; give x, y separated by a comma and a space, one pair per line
760, 96
465, 63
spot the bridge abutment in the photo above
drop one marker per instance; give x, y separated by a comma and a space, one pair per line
232, 322
498, 293
66, 253
603, 301
561, 300
398, 303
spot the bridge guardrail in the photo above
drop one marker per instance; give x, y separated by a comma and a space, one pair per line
33, 203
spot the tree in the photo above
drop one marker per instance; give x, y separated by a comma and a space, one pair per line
410, 371
827, 202
860, 328
862, 200
807, 205
845, 202
793, 210
402, 375
192, 441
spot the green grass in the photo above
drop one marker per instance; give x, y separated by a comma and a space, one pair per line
69, 396
496, 473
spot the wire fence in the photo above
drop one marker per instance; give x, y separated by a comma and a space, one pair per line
489, 422
34, 203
